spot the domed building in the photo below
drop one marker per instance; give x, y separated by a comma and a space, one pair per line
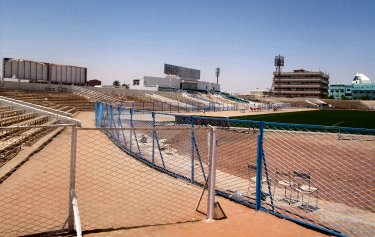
361, 79
361, 88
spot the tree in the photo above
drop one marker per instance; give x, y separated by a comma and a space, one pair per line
116, 83
365, 97
343, 97
125, 85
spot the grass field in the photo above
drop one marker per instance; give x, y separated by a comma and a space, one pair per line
342, 118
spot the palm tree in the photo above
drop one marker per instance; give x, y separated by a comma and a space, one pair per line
116, 83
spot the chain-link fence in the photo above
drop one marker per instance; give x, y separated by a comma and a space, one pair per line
119, 178
34, 179
141, 168
118, 187
321, 177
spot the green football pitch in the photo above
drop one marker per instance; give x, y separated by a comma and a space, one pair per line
342, 118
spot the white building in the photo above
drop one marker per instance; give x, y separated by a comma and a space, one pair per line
171, 83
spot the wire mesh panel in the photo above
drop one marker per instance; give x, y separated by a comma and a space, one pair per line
117, 190
316, 175
34, 183
322, 176
236, 160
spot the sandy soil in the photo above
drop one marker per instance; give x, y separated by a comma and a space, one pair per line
115, 191
240, 219
241, 222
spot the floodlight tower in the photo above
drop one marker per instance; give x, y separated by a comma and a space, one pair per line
217, 75
279, 63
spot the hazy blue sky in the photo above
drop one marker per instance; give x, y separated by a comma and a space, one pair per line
117, 40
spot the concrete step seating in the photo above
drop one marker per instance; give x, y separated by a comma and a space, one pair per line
197, 98
13, 144
34, 121
179, 97
5, 108
10, 113
58, 100
171, 101
94, 95
15, 119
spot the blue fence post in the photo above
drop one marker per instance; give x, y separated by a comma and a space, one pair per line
96, 113
99, 114
258, 189
110, 118
192, 149
131, 131
120, 126
153, 136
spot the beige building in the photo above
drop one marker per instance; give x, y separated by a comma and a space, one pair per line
300, 83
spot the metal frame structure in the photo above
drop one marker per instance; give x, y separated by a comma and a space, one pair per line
279, 63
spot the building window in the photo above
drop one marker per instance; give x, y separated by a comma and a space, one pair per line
135, 82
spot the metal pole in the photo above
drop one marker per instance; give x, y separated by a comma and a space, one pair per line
192, 149
153, 137
258, 188
131, 131
73, 155
212, 175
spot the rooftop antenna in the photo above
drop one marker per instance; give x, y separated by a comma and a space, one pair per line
279, 63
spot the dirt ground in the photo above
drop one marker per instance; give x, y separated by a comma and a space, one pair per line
241, 221
115, 191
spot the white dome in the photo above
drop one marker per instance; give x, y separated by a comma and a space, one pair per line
361, 79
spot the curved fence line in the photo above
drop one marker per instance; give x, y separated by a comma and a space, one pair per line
318, 176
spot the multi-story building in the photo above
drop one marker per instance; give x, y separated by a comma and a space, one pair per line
360, 89
300, 83
171, 84
340, 91
177, 78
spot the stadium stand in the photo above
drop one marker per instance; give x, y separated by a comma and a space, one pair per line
179, 96
12, 139
231, 97
170, 101
347, 104
94, 95
62, 101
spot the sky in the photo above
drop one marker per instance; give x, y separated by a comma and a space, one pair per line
119, 40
